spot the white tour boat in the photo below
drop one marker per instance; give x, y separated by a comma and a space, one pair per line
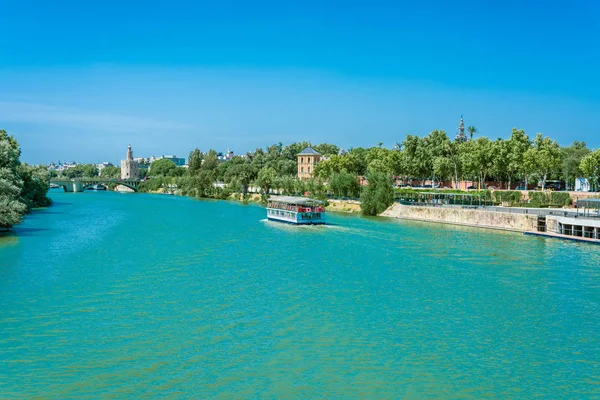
295, 210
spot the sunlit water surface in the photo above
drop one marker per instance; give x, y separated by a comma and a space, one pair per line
130, 295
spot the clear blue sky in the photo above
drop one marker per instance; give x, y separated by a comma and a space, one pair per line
79, 80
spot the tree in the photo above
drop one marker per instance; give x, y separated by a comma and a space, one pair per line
266, 178
518, 144
572, 156
500, 159
344, 184
21, 186
177, 171
378, 195
36, 183
376, 160
543, 158
11, 208
287, 184
316, 188
211, 161
111, 172
162, 167
11, 212
242, 174
396, 163
435, 146
9, 151
453, 154
416, 157
590, 166
81, 171
472, 130
326, 149
299, 186
337, 164
195, 161
291, 151
478, 159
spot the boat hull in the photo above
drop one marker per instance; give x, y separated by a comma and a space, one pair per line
295, 218
295, 222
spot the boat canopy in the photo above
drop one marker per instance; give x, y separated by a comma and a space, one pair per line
300, 201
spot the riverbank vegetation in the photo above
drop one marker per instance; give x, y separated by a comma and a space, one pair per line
22, 186
434, 160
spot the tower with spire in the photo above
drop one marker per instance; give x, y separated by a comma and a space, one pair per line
129, 167
460, 136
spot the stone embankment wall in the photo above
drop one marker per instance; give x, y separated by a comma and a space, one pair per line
464, 216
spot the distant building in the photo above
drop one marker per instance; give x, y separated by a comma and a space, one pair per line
61, 166
225, 157
180, 162
460, 136
143, 163
129, 167
307, 159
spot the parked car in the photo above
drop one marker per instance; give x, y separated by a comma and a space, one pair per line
520, 188
492, 187
471, 187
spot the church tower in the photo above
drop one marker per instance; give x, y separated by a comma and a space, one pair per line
460, 136
129, 167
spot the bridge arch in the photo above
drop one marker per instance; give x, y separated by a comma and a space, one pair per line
78, 185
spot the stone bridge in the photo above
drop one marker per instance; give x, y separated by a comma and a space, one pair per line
80, 184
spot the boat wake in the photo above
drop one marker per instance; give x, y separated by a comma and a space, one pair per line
304, 227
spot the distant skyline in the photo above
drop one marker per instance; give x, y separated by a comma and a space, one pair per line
81, 81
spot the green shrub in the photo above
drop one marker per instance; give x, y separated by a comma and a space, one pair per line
561, 198
556, 199
378, 195
509, 196
222, 194
538, 199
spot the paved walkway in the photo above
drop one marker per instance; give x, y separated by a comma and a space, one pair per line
567, 237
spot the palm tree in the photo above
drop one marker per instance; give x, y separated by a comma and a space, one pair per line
472, 130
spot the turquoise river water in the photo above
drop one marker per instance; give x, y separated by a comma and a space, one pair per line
107, 295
